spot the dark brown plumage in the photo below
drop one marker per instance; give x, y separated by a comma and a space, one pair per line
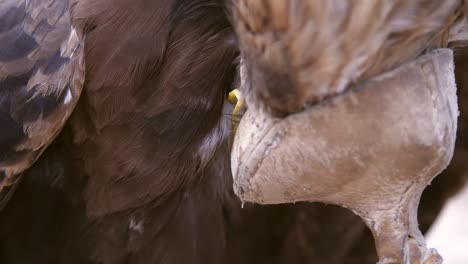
141, 171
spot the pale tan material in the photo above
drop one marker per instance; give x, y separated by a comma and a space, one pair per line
373, 150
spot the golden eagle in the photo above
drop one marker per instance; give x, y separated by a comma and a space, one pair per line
116, 129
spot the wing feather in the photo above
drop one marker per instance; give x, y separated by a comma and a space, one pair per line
41, 79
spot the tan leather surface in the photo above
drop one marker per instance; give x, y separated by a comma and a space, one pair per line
372, 150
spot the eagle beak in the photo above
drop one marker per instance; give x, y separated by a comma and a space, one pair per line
235, 97
373, 150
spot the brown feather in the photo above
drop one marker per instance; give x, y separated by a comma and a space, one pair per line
322, 47
41, 78
141, 172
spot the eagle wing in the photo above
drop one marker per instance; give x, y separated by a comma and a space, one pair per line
41, 79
